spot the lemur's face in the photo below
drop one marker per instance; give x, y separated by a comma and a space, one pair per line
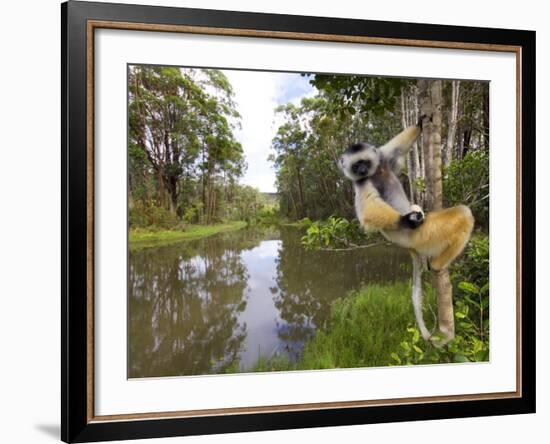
359, 161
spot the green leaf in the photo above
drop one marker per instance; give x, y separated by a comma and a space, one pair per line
478, 346
484, 303
452, 347
468, 287
482, 355
460, 358
471, 301
466, 326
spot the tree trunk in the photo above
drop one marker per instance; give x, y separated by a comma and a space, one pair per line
173, 191
445, 313
436, 94
415, 153
431, 98
453, 121
405, 124
293, 202
486, 118
427, 111
301, 194
160, 188
210, 201
203, 180
467, 136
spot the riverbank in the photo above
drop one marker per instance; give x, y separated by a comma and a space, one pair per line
142, 238
375, 327
302, 223
364, 329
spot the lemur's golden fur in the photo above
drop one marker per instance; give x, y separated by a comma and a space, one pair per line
381, 203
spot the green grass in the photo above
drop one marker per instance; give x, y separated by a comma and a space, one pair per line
141, 238
364, 329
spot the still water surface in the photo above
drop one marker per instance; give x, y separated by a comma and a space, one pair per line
216, 304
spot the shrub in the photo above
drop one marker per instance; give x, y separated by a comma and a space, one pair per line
466, 181
336, 232
473, 266
151, 217
267, 215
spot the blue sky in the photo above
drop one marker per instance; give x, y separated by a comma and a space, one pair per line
256, 96
292, 87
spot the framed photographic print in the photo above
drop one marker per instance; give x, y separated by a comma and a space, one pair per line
275, 221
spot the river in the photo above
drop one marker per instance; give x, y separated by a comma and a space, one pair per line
216, 304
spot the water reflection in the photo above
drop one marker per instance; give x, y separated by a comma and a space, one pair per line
217, 304
307, 282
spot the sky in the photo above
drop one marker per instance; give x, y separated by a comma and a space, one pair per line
257, 94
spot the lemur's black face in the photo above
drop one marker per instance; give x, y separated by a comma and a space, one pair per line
359, 161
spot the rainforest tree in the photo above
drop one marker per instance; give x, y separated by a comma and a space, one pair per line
182, 151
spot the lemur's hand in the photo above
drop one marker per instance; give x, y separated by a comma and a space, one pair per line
412, 220
415, 208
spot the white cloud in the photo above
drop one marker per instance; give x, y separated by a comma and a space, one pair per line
257, 94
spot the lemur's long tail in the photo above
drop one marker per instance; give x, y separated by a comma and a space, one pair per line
417, 295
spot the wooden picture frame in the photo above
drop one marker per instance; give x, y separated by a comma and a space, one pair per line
79, 22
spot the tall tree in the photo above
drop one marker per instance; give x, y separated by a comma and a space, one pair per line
409, 116
290, 147
452, 123
162, 124
179, 118
430, 92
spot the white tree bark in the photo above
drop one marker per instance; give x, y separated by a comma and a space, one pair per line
436, 94
453, 121
430, 93
411, 173
409, 117
427, 110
